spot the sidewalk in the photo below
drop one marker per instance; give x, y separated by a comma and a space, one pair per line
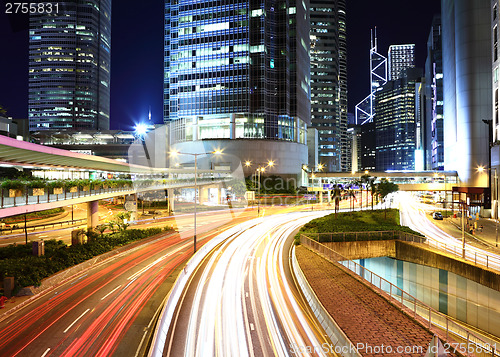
367, 318
483, 238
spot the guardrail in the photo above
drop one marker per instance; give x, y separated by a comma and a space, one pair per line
21, 227
473, 256
478, 346
26, 199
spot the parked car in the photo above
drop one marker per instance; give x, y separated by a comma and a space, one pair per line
437, 215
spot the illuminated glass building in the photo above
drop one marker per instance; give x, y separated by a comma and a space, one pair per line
69, 67
395, 123
329, 82
238, 71
399, 58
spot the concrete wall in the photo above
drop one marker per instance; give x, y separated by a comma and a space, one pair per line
415, 254
288, 156
367, 249
419, 255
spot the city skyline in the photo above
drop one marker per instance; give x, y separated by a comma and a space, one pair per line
137, 76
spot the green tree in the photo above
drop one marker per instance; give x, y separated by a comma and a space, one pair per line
385, 188
122, 220
3, 111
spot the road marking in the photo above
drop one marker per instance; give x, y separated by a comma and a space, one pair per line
74, 322
252, 327
111, 292
46, 351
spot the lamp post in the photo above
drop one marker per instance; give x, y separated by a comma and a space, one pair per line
175, 153
261, 168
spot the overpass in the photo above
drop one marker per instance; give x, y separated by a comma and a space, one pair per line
406, 180
73, 169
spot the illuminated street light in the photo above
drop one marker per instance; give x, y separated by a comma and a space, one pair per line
176, 153
260, 168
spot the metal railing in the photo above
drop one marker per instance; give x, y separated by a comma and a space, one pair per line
472, 345
20, 226
473, 256
27, 199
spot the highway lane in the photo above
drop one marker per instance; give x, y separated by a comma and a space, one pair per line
241, 300
95, 313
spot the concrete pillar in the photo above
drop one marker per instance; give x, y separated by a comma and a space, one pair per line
203, 194
220, 193
92, 214
170, 194
232, 126
195, 128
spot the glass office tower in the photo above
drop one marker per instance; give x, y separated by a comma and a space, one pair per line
395, 123
236, 69
69, 67
399, 58
329, 82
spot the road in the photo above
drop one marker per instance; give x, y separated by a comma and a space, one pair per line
413, 215
242, 301
108, 309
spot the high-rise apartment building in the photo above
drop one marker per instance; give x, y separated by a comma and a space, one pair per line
69, 66
237, 76
329, 82
399, 58
396, 122
434, 133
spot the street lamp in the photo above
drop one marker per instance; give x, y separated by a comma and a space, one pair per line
175, 153
261, 168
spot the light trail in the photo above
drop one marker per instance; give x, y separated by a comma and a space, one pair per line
240, 302
413, 215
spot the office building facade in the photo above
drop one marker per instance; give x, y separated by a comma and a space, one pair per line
434, 131
396, 122
399, 58
329, 82
467, 88
69, 67
238, 71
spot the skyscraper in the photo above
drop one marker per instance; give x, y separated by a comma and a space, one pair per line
69, 66
434, 99
329, 81
395, 123
467, 88
400, 57
239, 70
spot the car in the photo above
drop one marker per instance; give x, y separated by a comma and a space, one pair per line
437, 215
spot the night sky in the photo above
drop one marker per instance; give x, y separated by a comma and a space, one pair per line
137, 53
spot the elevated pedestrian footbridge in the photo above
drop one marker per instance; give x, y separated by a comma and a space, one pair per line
65, 178
406, 180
